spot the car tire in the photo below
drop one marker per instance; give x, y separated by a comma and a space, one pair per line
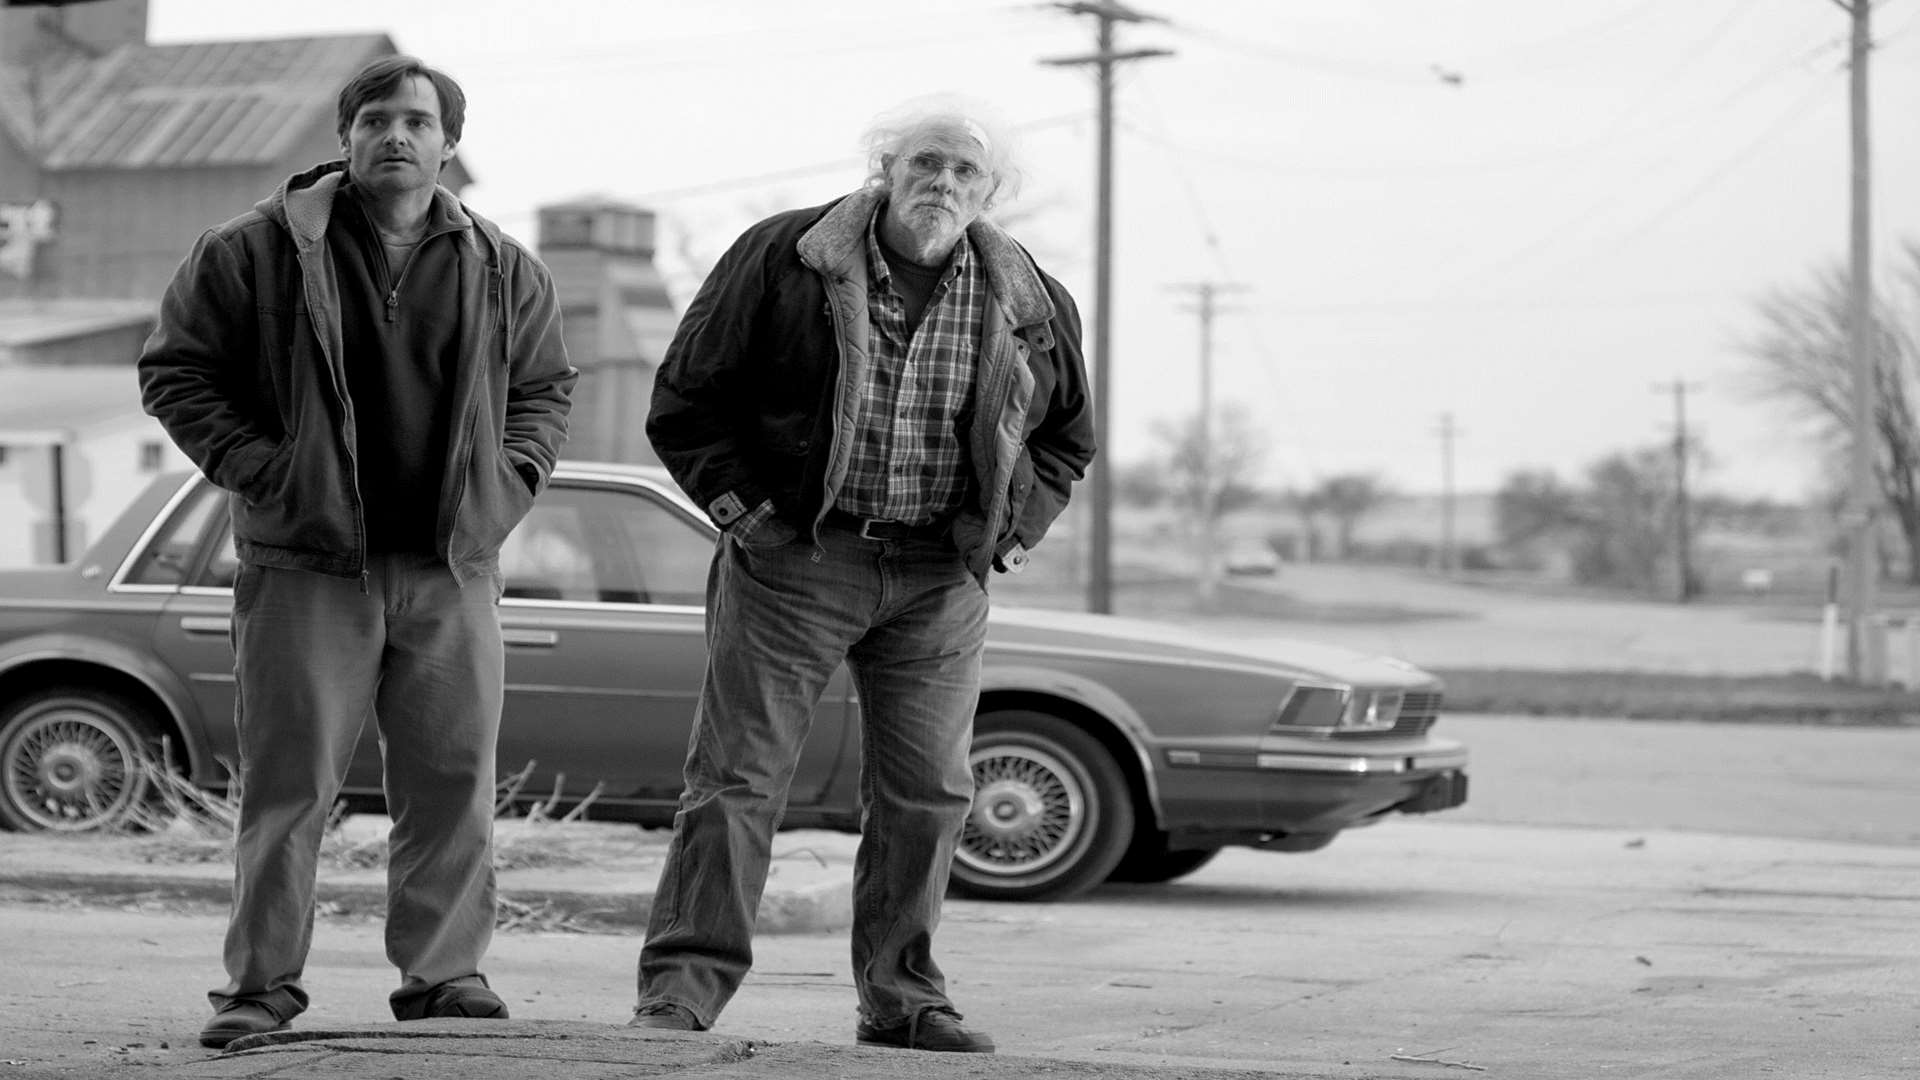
1149, 862
1052, 814
71, 760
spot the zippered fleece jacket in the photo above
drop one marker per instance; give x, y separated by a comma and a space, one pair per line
758, 393
246, 373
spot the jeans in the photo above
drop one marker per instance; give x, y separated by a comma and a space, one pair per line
314, 656
909, 621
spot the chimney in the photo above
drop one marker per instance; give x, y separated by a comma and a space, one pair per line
36, 30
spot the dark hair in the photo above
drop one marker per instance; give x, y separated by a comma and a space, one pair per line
381, 78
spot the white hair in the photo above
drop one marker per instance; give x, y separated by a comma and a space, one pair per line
895, 132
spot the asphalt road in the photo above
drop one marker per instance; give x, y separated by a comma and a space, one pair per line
1624, 933
1840, 784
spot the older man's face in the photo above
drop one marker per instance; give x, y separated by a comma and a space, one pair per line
938, 187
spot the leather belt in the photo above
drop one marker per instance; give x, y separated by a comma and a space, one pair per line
881, 529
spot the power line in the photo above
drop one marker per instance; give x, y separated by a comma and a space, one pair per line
1552, 239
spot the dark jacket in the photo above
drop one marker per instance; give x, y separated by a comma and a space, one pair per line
756, 396
245, 372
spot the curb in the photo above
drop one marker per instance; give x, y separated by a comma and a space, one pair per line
818, 907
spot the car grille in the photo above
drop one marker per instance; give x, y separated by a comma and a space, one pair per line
1418, 710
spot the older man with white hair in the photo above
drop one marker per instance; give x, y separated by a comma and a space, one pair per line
879, 401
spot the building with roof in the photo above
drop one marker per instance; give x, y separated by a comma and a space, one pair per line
617, 318
72, 332
116, 154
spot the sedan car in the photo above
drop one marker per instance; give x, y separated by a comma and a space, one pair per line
1103, 748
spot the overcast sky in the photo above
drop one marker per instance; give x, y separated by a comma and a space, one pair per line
1531, 217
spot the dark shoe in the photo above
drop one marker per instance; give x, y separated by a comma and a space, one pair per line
239, 1018
665, 1016
464, 999
930, 1029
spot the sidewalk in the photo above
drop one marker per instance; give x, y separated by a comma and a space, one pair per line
809, 890
1516, 949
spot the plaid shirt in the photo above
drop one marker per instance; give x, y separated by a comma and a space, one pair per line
909, 460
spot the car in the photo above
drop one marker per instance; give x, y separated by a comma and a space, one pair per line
1250, 558
1103, 748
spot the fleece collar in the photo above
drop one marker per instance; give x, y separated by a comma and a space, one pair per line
837, 243
304, 203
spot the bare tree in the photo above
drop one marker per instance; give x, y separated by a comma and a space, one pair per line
1347, 498
1531, 504
1532, 510
1308, 505
1800, 358
1627, 536
1205, 490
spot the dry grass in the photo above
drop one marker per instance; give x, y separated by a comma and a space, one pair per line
181, 823
1645, 695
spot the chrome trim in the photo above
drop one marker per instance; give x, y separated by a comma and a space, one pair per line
155, 523
544, 604
1444, 759
1324, 763
1359, 765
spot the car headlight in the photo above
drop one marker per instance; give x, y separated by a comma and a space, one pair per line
1331, 709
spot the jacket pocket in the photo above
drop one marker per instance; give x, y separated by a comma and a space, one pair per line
1019, 487
496, 499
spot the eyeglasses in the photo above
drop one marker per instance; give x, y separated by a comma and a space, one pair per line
928, 165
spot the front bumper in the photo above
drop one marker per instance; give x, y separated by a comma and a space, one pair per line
1310, 787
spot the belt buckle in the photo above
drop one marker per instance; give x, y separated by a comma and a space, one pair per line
866, 528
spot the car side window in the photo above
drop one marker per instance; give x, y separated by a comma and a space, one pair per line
599, 545
546, 558
223, 565
168, 558
673, 551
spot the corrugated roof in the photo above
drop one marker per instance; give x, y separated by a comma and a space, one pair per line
48, 404
38, 322
183, 106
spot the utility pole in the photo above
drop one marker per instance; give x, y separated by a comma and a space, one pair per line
1207, 503
1863, 496
1100, 481
1449, 558
1683, 529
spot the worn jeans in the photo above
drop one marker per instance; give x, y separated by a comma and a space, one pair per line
314, 656
909, 621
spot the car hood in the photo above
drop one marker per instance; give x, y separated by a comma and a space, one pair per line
1017, 629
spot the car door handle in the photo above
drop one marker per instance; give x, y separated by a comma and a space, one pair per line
206, 624
540, 639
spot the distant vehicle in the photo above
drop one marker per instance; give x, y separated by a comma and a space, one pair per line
1250, 558
1103, 749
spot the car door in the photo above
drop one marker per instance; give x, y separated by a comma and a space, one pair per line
194, 549
604, 618
190, 557
604, 624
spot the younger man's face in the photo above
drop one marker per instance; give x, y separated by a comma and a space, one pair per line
397, 144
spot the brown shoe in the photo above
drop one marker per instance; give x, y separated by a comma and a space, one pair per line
665, 1016
936, 1028
239, 1018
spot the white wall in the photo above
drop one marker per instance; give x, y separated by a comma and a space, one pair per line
106, 464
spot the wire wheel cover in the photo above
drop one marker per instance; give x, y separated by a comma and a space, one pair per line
1029, 811
67, 770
